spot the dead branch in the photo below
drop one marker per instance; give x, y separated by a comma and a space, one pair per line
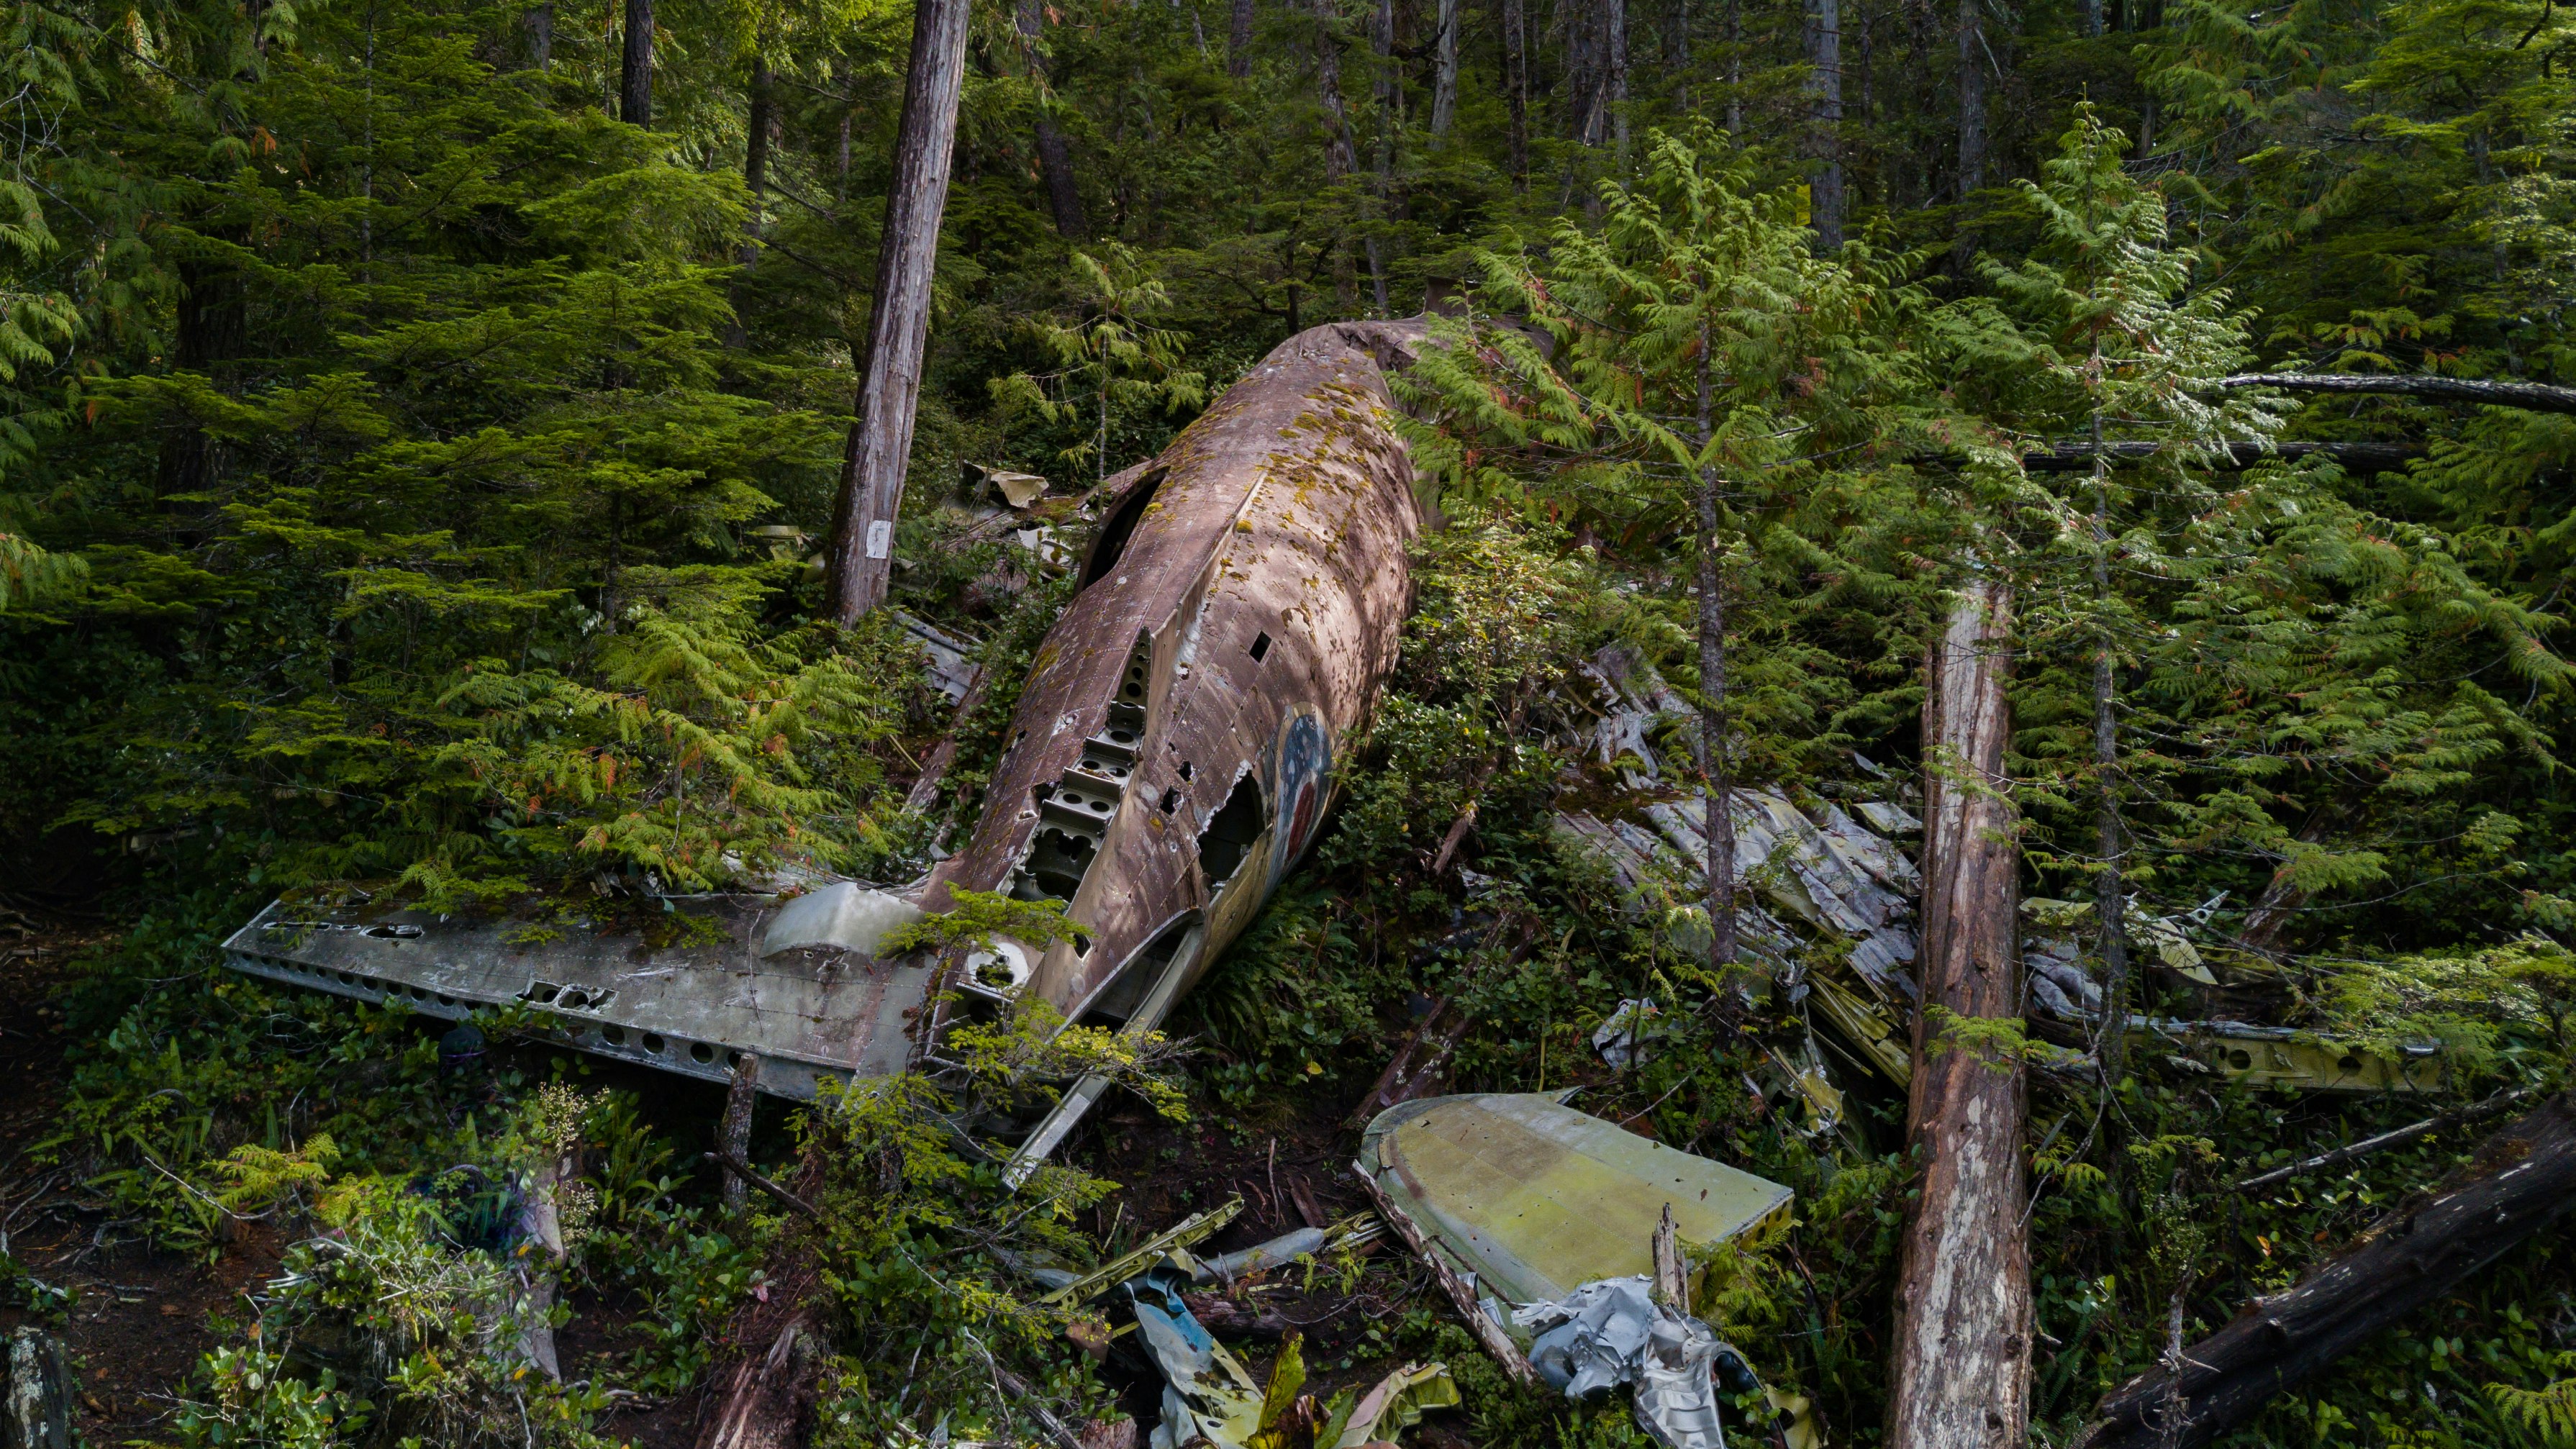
2457, 1116
2521, 1179
2529, 396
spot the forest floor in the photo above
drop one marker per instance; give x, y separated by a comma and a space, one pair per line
140, 1318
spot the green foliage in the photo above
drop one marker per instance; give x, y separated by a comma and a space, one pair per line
2548, 1412
974, 918
1106, 356
923, 1245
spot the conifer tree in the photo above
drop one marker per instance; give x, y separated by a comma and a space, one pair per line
1706, 370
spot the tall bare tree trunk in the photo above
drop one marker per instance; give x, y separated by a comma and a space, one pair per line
1718, 817
899, 320
1389, 91
539, 23
1825, 121
1340, 159
1972, 97
2110, 889
1238, 41
1677, 55
759, 133
1961, 1377
1444, 71
1055, 158
1516, 89
1734, 67
1615, 82
635, 82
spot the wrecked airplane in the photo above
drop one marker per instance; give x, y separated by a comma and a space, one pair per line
1173, 754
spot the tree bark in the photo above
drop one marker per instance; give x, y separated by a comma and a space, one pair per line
1238, 41
1390, 108
733, 1131
761, 1394
1718, 815
2529, 396
2110, 892
1961, 1375
1677, 55
2521, 1180
1614, 39
759, 129
1055, 157
1444, 69
635, 81
539, 23
899, 321
1516, 89
1734, 67
1825, 121
1972, 97
1340, 158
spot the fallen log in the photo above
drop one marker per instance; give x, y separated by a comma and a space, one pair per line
2529, 396
1960, 1378
2359, 457
2521, 1179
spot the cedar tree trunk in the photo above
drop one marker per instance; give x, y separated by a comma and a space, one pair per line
1825, 121
1055, 157
635, 82
899, 320
1961, 1376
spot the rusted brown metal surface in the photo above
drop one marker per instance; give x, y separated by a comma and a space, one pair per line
1185, 722
1177, 741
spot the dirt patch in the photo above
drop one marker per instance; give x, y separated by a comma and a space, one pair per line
138, 1318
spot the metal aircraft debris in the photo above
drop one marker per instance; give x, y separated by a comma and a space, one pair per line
1180, 734
1820, 874
1530, 1199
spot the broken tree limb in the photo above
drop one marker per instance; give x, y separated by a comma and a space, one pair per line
1416, 1064
742, 1170
2529, 396
2457, 1116
1458, 829
1488, 1333
2521, 1179
733, 1131
760, 1399
1961, 1372
2358, 457
925, 786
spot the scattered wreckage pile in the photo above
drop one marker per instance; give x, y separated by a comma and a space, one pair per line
1173, 752
1830, 919
1571, 1248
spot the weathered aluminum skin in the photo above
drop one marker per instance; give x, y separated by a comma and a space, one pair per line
1242, 632
1283, 513
685, 1009
1537, 1199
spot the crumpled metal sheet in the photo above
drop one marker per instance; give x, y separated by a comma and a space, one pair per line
1528, 1197
1613, 1332
1624, 1037
1206, 1392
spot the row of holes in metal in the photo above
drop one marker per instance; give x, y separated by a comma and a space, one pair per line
651, 1042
